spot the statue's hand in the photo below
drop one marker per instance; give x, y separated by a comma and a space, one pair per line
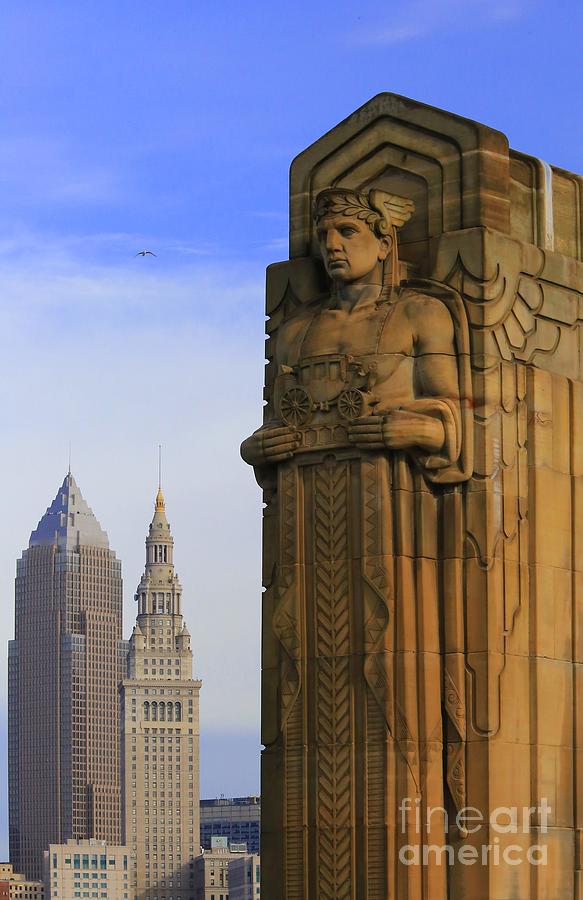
270, 445
367, 432
400, 429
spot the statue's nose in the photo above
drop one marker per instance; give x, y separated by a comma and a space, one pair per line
332, 239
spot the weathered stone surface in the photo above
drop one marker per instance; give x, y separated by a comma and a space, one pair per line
422, 465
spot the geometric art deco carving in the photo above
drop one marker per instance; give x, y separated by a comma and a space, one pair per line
423, 483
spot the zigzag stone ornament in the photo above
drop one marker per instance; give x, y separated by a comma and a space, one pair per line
422, 471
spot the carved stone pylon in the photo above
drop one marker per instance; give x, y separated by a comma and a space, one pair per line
422, 465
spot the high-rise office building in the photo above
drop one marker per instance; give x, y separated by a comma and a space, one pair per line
236, 818
65, 664
160, 730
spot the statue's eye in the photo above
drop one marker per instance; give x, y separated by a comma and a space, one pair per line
348, 231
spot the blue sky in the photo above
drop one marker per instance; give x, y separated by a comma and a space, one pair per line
171, 126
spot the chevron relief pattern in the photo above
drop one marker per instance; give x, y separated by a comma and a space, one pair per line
286, 623
368, 474
287, 498
333, 700
295, 787
334, 782
287, 628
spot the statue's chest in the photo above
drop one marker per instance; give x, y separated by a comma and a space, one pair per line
337, 351
357, 333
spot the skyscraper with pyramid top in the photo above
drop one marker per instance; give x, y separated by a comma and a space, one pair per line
65, 663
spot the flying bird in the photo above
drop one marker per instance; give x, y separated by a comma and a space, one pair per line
145, 253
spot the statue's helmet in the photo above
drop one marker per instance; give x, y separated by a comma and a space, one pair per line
381, 211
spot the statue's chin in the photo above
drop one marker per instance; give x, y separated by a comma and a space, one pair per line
342, 281
339, 274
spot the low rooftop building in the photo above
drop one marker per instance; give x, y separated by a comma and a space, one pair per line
88, 869
14, 885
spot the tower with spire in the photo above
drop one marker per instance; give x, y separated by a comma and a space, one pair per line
160, 728
65, 663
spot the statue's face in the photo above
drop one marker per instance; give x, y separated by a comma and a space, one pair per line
350, 250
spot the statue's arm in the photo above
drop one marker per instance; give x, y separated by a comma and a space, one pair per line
271, 444
429, 423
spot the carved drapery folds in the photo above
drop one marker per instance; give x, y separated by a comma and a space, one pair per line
422, 624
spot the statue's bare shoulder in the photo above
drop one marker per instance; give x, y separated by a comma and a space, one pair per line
292, 330
430, 321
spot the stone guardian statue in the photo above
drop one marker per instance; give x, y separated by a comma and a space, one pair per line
363, 450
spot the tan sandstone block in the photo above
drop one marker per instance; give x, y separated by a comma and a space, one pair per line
514, 700
404, 536
556, 879
551, 518
272, 773
428, 606
509, 778
426, 525
485, 523
499, 687
552, 612
485, 605
517, 611
553, 685
453, 604
578, 847
577, 428
417, 587
550, 406
553, 781
272, 862
478, 772
577, 522
452, 539
270, 647
540, 417
561, 461
270, 705
270, 543
578, 708
578, 768
459, 556
484, 671
510, 873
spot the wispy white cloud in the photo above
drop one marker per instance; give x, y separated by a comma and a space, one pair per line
44, 169
46, 250
204, 249
277, 244
268, 214
422, 18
